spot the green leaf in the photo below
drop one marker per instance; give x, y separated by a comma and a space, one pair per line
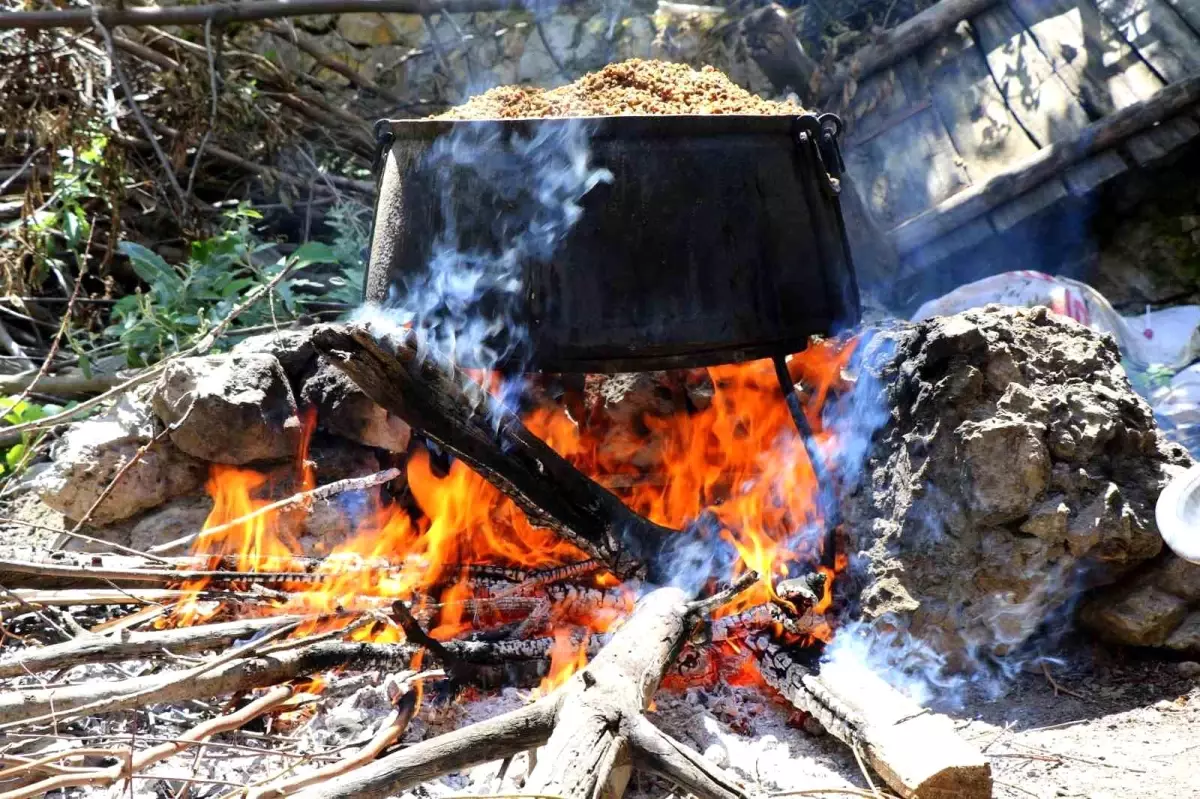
313, 252
150, 266
14, 455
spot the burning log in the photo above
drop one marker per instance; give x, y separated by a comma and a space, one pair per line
70, 569
592, 726
916, 752
456, 412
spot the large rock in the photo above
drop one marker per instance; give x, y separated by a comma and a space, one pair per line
1014, 467
91, 453
232, 409
292, 347
1157, 606
344, 410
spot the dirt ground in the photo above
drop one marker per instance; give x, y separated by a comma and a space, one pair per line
1132, 731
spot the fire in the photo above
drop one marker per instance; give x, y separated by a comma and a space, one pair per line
738, 461
567, 656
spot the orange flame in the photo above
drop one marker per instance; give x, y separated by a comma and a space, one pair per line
567, 656
738, 459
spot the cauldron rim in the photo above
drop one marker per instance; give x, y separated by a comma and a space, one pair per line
618, 126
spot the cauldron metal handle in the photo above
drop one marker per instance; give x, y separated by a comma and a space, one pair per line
822, 134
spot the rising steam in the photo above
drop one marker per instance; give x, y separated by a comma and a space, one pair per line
506, 202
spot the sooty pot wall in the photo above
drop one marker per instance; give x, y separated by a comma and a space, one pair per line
711, 239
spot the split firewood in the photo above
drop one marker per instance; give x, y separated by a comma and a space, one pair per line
917, 753
592, 726
455, 411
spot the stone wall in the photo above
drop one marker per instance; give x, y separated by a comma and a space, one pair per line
443, 61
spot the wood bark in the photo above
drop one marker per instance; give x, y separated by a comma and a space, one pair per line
916, 752
1044, 165
452, 409
592, 726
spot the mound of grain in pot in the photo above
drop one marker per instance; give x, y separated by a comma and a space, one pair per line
636, 86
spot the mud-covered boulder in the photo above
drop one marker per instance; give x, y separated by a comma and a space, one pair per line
1014, 468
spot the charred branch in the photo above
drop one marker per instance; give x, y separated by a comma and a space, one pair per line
591, 726
242, 674
457, 413
93, 648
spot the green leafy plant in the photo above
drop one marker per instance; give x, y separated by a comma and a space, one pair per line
182, 302
351, 223
14, 411
56, 233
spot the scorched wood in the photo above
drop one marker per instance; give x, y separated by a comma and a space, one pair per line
917, 753
455, 411
592, 726
94, 648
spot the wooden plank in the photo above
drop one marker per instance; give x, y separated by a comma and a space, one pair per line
1161, 140
933, 252
1035, 93
1087, 175
1088, 53
1189, 10
985, 133
900, 158
907, 169
1158, 34
1031, 202
899, 43
1045, 165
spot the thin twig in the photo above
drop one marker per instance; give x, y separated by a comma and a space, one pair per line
119, 72
240, 12
819, 791
184, 676
81, 537
212, 111
62, 327
9, 344
148, 757
201, 347
28, 162
288, 33
703, 607
389, 732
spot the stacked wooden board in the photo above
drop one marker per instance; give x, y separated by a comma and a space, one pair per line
1023, 106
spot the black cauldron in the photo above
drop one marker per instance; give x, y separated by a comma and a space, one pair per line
718, 239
